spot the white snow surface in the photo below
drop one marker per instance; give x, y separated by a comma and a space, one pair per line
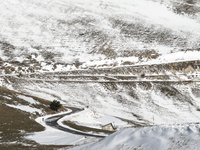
176, 137
28, 99
72, 29
93, 119
118, 103
67, 27
175, 57
26, 108
108, 104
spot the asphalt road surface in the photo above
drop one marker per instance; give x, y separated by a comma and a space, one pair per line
53, 122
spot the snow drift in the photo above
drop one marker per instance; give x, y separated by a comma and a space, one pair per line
176, 137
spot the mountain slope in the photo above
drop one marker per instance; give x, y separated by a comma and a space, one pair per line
64, 30
120, 60
173, 137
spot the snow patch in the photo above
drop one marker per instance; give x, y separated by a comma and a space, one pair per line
26, 108
28, 99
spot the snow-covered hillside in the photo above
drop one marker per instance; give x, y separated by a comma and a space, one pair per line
131, 62
174, 137
139, 103
67, 31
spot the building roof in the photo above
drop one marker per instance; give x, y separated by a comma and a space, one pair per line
112, 124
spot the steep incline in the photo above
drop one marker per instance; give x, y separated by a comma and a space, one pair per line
67, 31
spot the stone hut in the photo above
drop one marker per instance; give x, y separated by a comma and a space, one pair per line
110, 127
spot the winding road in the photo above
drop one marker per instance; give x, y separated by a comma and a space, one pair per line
53, 122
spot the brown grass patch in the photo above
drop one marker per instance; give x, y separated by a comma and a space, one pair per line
15, 124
